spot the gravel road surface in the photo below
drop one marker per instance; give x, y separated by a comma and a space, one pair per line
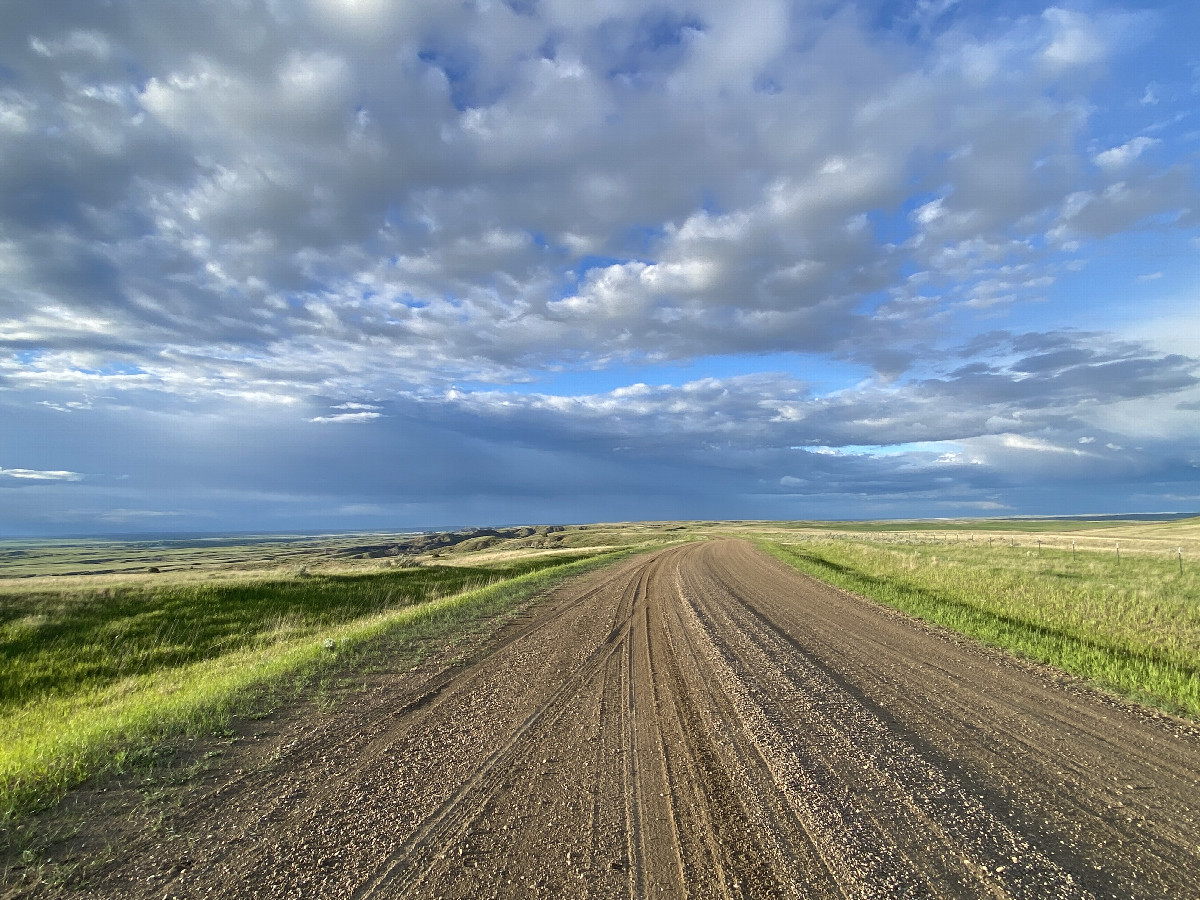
703, 721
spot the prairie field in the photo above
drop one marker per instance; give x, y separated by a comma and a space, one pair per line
434, 697
107, 647
106, 658
1117, 603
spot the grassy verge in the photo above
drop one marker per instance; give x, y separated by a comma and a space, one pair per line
1132, 628
89, 679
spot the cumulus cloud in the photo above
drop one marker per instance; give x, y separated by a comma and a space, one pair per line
422, 204
1034, 396
347, 417
1119, 157
1075, 40
333, 211
39, 475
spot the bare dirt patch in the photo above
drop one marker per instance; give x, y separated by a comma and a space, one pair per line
700, 721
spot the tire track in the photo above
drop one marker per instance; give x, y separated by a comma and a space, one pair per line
862, 789
783, 854
410, 864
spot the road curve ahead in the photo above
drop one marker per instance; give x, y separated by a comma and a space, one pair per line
705, 722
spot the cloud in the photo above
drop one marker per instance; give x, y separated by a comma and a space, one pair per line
335, 211
1076, 41
1018, 442
347, 417
123, 516
1022, 409
283, 196
362, 509
1038, 394
39, 475
1124, 205
1119, 157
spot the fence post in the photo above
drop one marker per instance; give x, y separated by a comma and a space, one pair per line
1179, 554
1118, 543
1072, 551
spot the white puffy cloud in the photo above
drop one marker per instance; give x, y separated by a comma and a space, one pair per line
39, 475
280, 178
346, 417
317, 208
1075, 42
1119, 157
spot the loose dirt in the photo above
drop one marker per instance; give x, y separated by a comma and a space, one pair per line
701, 721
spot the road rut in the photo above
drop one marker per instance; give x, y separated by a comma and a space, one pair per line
704, 721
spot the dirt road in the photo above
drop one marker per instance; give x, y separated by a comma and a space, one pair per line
705, 722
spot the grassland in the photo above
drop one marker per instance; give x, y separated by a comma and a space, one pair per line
127, 645
107, 648
1129, 623
238, 553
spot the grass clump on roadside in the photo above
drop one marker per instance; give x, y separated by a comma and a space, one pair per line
89, 677
1131, 627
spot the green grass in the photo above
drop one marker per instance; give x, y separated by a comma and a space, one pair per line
1132, 628
89, 677
950, 526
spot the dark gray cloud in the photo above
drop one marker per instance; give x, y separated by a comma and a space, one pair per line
322, 215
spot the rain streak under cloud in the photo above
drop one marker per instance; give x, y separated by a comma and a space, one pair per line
369, 264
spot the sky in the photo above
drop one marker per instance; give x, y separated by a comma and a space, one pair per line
324, 265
